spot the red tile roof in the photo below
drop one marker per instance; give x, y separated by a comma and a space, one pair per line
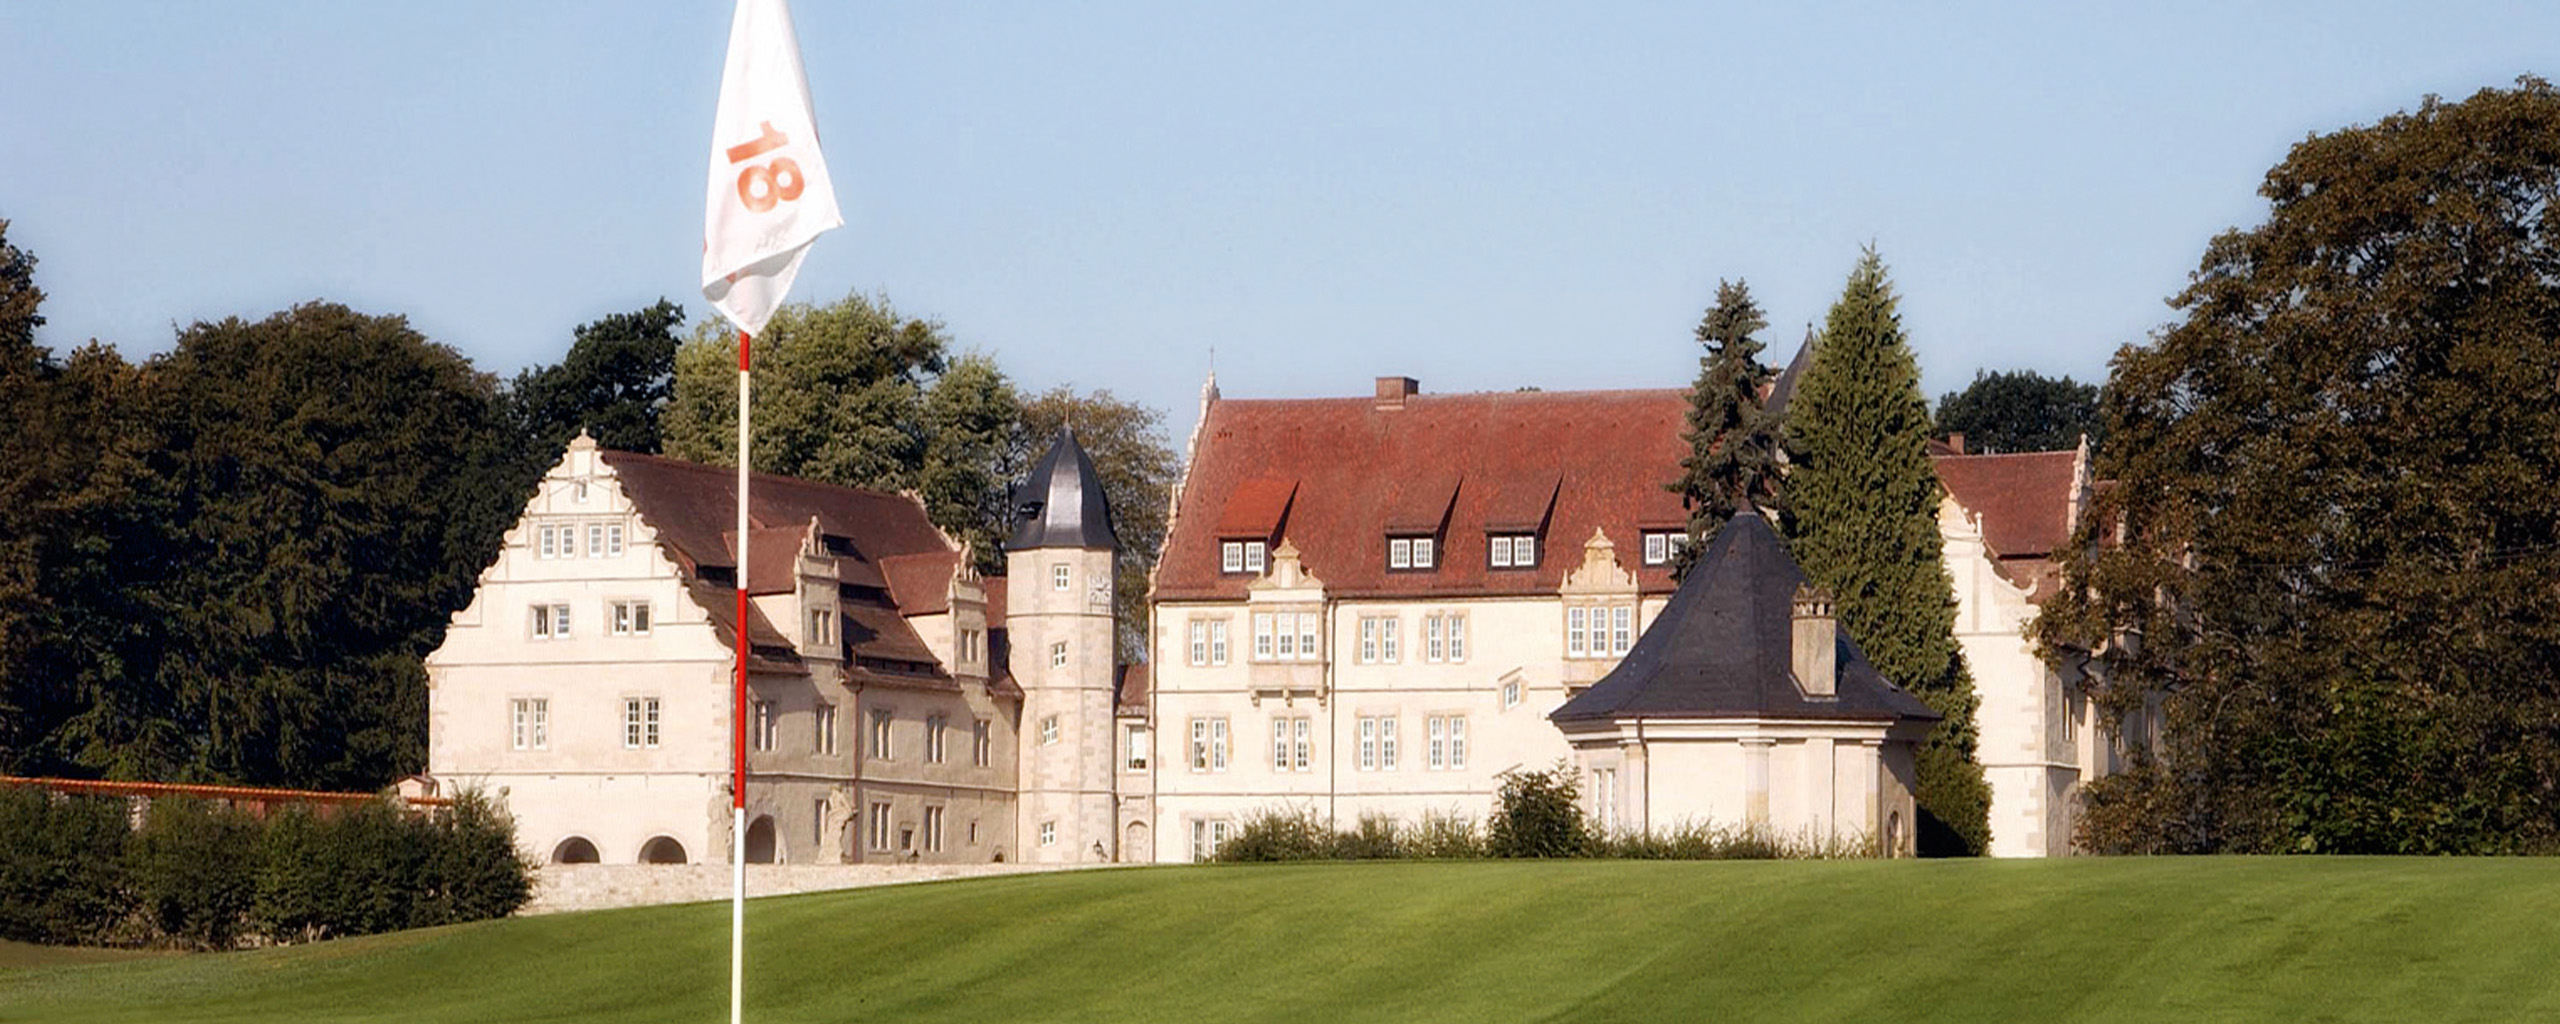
2025, 505
1130, 690
1600, 458
1256, 507
921, 583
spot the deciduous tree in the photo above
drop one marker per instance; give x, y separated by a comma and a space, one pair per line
2338, 498
2021, 411
618, 376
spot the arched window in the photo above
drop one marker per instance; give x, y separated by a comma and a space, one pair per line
760, 845
662, 850
575, 850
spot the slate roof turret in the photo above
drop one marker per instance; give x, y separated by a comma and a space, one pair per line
1061, 504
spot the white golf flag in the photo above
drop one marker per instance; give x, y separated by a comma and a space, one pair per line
769, 194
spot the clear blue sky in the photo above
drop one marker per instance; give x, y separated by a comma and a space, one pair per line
1481, 195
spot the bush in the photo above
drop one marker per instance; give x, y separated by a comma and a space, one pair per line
1376, 838
476, 873
61, 866
1278, 835
1538, 814
192, 866
1444, 837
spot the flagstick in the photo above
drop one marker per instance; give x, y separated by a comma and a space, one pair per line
738, 736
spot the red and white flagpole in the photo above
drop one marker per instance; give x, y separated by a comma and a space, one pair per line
738, 735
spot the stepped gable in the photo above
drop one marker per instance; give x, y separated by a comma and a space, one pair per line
1722, 648
1061, 503
693, 508
1335, 476
2024, 503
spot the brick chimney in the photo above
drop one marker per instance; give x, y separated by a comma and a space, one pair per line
1817, 643
1392, 391
1955, 440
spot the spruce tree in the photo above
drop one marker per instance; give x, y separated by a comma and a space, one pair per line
1733, 445
1865, 525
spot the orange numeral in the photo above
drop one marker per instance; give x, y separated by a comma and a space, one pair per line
777, 181
769, 141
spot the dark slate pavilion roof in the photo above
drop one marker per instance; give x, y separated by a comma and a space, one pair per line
1722, 648
1784, 387
1061, 504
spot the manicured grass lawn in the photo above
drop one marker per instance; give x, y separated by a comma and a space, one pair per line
2087, 940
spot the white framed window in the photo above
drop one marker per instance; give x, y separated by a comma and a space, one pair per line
1387, 743
1498, 552
1058, 654
1207, 837
1060, 576
1217, 641
933, 829
1208, 744
631, 618
1377, 743
822, 627
823, 738
1575, 644
578, 492
639, 723
880, 720
1048, 833
1231, 556
1622, 630
1457, 637
766, 724
1136, 737
530, 722
1288, 626
568, 540
613, 540
933, 747
1510, 694
1255, 557
879, 825
818, 823
595, 540
1435, 639
1513, 551
1448, 748
1657, 548
551, 622
1309, 625
1049, 731
1199, 641
982, 743
1262, 636
1422, 554
1368, 640
1292, 743
1400, 553
1388, 650
1604, 797
549, 547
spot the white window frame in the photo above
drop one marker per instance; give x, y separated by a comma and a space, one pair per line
1499, 554
595, 540
1524, 550
639, 723
982, 743
818, 823
1199, 641
1231, 556
1448, 743
933, 829
613, 540
1399, 552
1368, 640
1256, 556
1139, 744
1061, 577
1389, 650
530, 723
1209, 744
768, 724
823, 728
1387, 743
1049, 731
1368, 743
1262, 636
1657, 548
631, 618
1217, 641
879, 823
934, 748
1510, 694
1457, 637
883, 747
1048, 833
549, 545
1575, 645
1435, 643
1423, 555
1310, 636
1622, 629
1058, 654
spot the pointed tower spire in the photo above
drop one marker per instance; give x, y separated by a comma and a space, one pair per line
1061, 504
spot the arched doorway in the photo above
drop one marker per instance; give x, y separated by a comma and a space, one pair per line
575, 850
662, 850
1893, 834
1134, 847
760, 840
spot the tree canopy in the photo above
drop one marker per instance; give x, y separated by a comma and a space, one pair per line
1865, 525
619, 374
1733, 441
2021, 411
2338, 499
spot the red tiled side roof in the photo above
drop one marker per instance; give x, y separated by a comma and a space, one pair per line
776, 553
921, 583
1604, 456
1256, 507
2024, 499
1130, 691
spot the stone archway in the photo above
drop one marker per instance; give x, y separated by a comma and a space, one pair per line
1135, 845
761, 848
662, 850
575, 850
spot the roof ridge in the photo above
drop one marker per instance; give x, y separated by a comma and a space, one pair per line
753, 475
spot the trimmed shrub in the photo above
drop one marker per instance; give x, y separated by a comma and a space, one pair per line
61, 866
476, 872
192, 866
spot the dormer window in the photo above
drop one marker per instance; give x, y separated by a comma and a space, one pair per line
1513, 551
1661, 546
1411, 553
1243, 556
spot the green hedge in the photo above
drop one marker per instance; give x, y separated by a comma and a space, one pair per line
201, 875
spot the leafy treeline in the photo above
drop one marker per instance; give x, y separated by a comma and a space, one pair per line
2329, 559
224, 563
855, 393
2022, 411
81, 870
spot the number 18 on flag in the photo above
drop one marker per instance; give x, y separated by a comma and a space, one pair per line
768, 195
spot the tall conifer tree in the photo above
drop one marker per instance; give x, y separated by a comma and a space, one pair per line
1733, 442
1865, 524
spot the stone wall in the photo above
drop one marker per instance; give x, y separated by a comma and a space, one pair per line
559, 888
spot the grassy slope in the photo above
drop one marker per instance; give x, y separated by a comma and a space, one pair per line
2130, 940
